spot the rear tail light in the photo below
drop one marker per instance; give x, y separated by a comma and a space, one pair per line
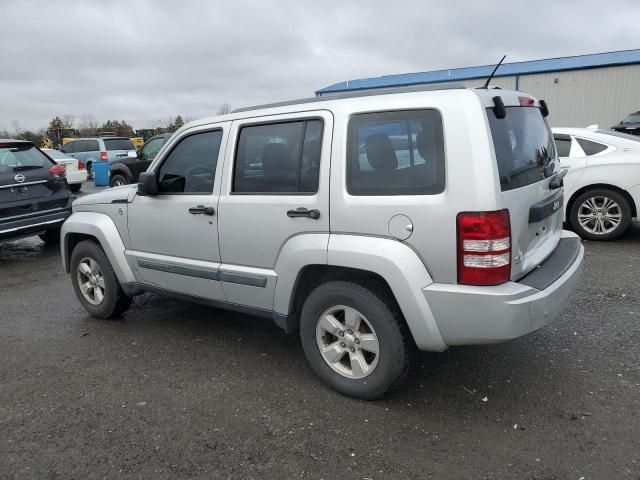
484, 247
57, 170
104, 156
81, 165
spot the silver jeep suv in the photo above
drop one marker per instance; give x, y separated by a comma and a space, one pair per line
371, 223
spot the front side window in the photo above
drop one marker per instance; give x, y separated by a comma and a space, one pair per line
633, 118
591, 148
278, 158
68, 147
191, 166
396, 153
524, 147
151, 149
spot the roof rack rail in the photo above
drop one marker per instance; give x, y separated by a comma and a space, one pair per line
354, 94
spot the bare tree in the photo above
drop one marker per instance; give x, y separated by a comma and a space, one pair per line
88, 125
67, 121
17, 129
224, 109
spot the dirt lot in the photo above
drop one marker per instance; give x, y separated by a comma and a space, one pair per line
176, 390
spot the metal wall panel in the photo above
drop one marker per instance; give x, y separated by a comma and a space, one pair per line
602, 96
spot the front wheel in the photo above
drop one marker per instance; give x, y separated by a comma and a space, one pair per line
118, 180
95, 282
355, 339
75, 187
600, 214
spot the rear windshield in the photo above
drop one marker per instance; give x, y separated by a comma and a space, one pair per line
15, 158
524, 147
118, 144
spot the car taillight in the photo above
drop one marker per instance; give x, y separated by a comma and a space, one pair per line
57, 170
81, 165
484, 247
104, 156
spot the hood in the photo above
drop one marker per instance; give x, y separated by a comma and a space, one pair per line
117, 194
627, 126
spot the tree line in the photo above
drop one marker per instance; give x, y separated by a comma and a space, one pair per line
88, 126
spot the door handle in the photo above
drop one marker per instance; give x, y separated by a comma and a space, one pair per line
303, 212
202, 210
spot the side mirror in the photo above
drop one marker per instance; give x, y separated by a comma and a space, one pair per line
132, 154
147, 184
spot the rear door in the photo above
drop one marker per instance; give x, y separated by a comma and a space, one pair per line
118, 148
526, 156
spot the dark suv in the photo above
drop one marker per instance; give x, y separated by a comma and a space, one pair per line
126, 170
34, 196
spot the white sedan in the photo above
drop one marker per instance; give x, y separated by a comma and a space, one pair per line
602, 185
76, 170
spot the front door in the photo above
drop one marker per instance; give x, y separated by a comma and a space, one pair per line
174, 235
275, 190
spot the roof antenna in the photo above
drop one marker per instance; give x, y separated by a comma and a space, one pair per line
486, 85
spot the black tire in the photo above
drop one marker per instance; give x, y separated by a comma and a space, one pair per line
75, 187
115, 301
600, 193
89, 170
119, 178
377, 305
51, 237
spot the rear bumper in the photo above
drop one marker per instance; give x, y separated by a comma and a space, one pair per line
76, 176
468, 315
35, 224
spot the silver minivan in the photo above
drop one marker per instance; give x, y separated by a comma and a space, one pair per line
372, 223
99, 149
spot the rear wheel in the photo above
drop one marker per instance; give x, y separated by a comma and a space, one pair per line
95, 282
51, 237
355, 339
600, 214
89, 170
75, 187
118, 180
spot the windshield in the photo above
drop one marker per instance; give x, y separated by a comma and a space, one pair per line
633, 118
524, 147
14, 158
118, 144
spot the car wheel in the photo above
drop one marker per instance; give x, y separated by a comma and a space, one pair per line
95, 282
355, 338
118, 180
89, 170
51, 237
75, 187
600, 214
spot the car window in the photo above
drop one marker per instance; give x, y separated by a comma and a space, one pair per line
591, 148
68, 147
151, 149
626, 136
278, 158
563, 145
633, 118
15, 158
118, 144
396, 153
191, 166
524, 146
56, 154
91, 146
79, 146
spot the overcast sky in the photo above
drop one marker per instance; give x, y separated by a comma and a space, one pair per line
145, 60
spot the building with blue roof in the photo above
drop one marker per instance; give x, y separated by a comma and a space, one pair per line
598, 88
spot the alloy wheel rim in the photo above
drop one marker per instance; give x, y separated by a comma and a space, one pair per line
599, 215
347, 342
118, 183
91, 280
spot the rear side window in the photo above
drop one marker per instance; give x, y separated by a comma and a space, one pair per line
524, 147
79, 146
278, 158
563, 145
591, 148
68, 147
118, 144
16, 158
91, 146
396, 153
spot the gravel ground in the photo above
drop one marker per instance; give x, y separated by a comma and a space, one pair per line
176, 390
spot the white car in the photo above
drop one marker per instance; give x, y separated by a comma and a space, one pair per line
602, 185
76, 170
